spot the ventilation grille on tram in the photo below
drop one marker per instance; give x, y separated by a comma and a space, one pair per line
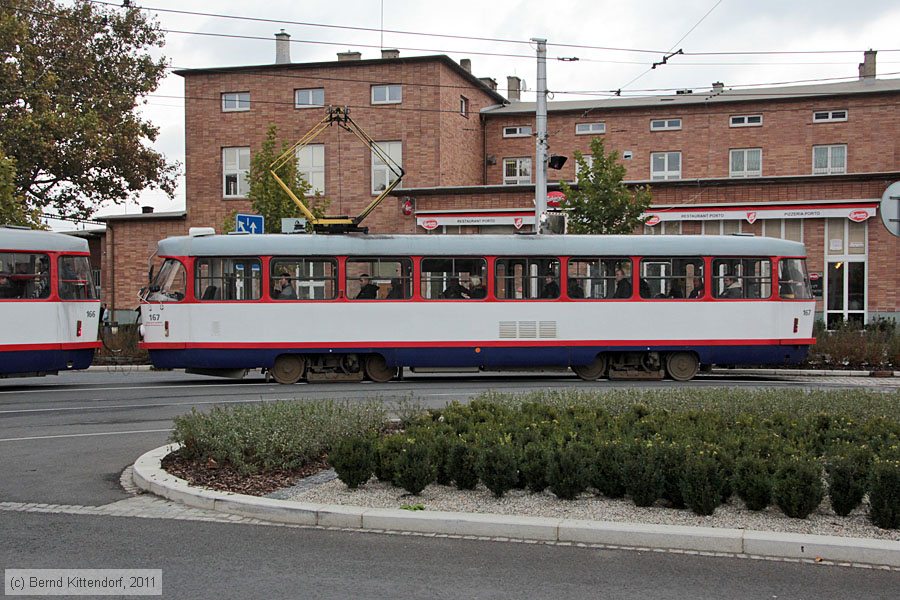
527, 329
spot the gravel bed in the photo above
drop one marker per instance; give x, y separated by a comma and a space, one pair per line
733, 515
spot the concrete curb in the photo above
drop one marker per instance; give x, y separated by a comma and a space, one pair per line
798, 372
149, 476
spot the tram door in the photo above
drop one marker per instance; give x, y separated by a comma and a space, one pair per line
846, 272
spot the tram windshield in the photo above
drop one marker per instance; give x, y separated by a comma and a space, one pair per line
24, 276
76, 281
170, 283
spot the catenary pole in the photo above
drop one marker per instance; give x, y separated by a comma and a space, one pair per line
540, 159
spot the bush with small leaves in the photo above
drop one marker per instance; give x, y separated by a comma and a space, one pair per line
534, 466
414, 466
461, 465
701, 483
353, 459
847, 475
607, 468
753, 482
567, 470
643, 472
498, 466
797, 487
884, 493
673, 456
387, 449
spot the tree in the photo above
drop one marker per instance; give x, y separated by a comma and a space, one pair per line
267, 198
12, 208
71, 78
601, 203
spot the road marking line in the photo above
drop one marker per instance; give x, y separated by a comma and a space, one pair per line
72, 435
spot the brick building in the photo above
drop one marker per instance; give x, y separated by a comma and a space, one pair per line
809, 163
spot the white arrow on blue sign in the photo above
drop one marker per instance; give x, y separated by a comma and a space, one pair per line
249, 223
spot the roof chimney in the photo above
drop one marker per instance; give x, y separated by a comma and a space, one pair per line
718, 86
867, 67
393, 53
489, 81
514, 87
342, 56
466, 64
282, 48
146, 210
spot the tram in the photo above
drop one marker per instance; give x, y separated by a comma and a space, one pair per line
49, 308
348, 307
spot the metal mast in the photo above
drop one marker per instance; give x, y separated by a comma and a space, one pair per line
541, 149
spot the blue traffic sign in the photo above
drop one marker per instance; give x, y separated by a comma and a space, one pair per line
249, 224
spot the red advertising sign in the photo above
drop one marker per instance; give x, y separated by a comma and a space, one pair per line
430, 224
652, 220
858, 216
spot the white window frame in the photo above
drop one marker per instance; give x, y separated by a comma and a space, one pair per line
746, 172
744, 121
673, 124
393, 93
663, 228
235, 101
514, 131
830, 116
778, 226
311, 165
310, 94
464, 106
381, 172
232, 158
667, 173
830, 168
519, 179
590, 128
845, 257
589, 164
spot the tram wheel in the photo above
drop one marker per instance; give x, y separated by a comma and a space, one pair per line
682, 366
288, 368
593, 371
377, 369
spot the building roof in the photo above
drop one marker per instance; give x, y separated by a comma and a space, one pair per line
344, 64
179, 214
709, 96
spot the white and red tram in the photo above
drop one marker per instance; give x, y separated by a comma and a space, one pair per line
49, 307
345, 307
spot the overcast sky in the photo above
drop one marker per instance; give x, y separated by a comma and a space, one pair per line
657, 25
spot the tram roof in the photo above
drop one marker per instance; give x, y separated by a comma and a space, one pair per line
489, 245
12, 238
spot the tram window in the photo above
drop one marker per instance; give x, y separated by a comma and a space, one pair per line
24, 276
75, 278
379, 278
742, 278
793, 280
303, 278
527, 278
669, 277
599, 278
228, 279
449, 278
170, 283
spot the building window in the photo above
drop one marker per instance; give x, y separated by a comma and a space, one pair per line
830, 160
309, 98
311, 166
745, 162
665, 124
387, 94
235, 101
664, 228
721, 227
464, 106
517, 131
588, 166
665, 165
516, 171
788, 229
382, 173
590, 128
745, 121
235, 165
829, 116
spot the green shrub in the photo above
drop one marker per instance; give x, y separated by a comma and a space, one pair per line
498, 466
534, 466
461, 466
753, 482
644, 478
797, 487
567, 470
884, 493
673, 457
607, 468
387, 449
847, 476
353, 459
414, 467
701, 484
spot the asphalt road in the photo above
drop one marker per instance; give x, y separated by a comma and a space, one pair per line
65, 441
